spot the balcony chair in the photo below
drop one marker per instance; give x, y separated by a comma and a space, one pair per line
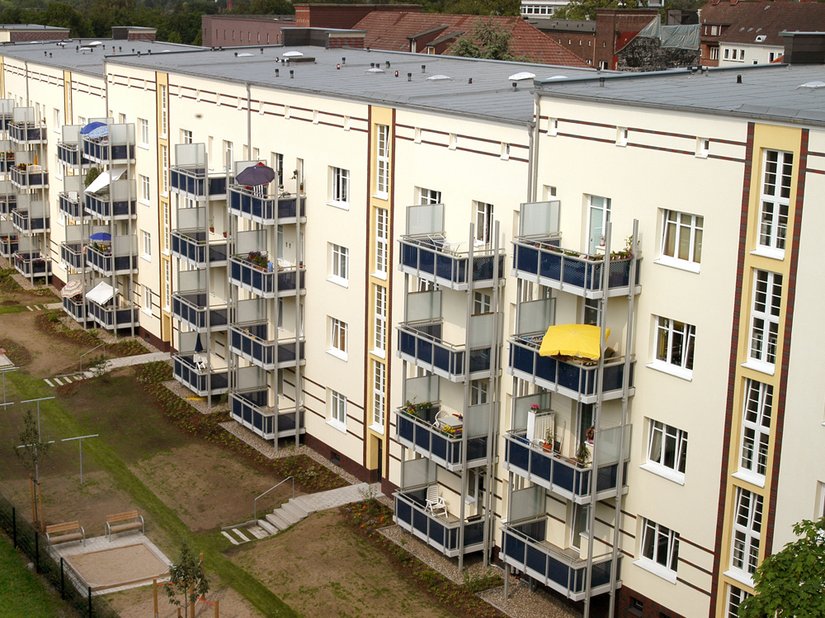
434, 503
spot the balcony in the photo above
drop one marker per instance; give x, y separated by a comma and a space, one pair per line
421, 343
543, 262
561, 475
418, 428
70, 205
266, 210
32, 264
102, 151
102, 260
437, 531
113, 318
198, 378
101, 207
252, 343
6, 161
570, 377
69, 154
250, 409
523, 547
192, 246
8, 245
27, 224
432, 258
192, 308
8, 198
73, 254
26, 133
29, 177
197, 182
76, 308
262, 280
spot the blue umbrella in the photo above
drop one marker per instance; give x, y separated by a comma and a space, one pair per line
255, 175
101, 237
91, 127
98, 132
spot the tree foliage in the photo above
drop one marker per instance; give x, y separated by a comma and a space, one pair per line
32, 449
791, 583
487, 40
187, 579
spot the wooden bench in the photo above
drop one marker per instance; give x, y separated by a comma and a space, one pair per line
123, 522
65, 533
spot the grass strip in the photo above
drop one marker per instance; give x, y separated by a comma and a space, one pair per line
11, 309
21, 592
263, 599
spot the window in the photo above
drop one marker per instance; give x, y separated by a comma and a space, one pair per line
714, 53
674, 346
428, 196
667, 451
56, 115
756, 428
228, 153
660, 546
592, 309
736, 596
727, 53
767, 294
277, 161
702, 147
819, 508
775, 199
164, 112
143, 130
379, 382
164, 176
479, 392
339, 186
682, 237
747, 529
147, 244
338, 409
338, 337
185, 136
381, 241
147, 299
482, 303
484, 223
621, 136
339, 264
552, 126
145, 193
167, 284
167, 227
382, 171
380, 317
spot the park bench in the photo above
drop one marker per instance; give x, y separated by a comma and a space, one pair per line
65, 532
122, 522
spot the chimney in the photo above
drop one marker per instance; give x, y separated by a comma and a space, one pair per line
804, 47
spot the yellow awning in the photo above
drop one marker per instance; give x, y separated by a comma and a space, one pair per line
579, 340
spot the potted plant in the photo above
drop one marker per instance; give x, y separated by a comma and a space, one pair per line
548, 442
589, 434
583, 455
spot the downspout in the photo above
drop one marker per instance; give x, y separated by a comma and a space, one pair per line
532, 168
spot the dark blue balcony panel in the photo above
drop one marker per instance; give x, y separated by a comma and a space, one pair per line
6, 161
570, 271
69, 154
442, 533
571, 378
26, 224
104, 152
108, 264
523, 547
191, 245
193, 309
420, 435
76, 308
113, 318
196, 182
99, 206
30, 177
266, 210
560, 475
250, 410
430, 259
265, 282
73, 254
424, 347
71, 206
251, 343
8, 245
24, 133
32, 264
202, 382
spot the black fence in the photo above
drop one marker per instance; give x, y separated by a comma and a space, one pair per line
73, 590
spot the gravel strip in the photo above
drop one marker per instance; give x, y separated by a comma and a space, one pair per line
526, 604
199, 403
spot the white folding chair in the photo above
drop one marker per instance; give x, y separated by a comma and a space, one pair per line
434, 502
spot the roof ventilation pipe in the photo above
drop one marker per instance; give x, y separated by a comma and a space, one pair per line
423, 68
292, 74
739, 79
409, 77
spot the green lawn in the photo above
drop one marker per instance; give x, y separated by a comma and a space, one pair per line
21, 593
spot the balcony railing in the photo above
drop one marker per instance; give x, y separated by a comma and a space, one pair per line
68, 154
113, 318
73, 254
250, 342
265, 282
100, 207
104, 152
192, 245
76, 308
8, 245
29, 178
197, 182
192, 308
71, 205
8, 203
570, 271
22, 221
266, 210
202, 382
25, 133
430, 258
249, 408
108, 264
32, 264
523, 547
569, 377
438, 532
421, 432
420, 343
560, 475
6, 161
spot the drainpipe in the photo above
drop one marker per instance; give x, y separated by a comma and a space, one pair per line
249, 121
533, 134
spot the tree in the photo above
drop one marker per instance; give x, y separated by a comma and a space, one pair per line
486, 41
186, 579
586, 9
31, 452
791, 583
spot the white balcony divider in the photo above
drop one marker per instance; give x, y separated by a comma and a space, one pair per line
121, 134
521, 408
122, 190
425, 219
75, 233
477, 420
251, 310
6, 188
190, 155
70, 134
608, 445
7, 227
251, 240
423, 389
535, 316
422, 306
482, 329
25, 156
418, 472
191, 281
527, 503
187, 342
249, 377
191, 218
27, 244
23, 114
124, 245
6, 106
73, 184
539, 218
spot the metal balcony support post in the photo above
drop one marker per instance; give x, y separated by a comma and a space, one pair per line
272, 310
232, 301
299, 300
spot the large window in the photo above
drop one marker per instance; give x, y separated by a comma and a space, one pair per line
164, 170
338, 337
380, 317
339, 263
382, 166
775, 198
756, 428
145, 192
143, 131
381, 241
736, 596
674, 345
660, 545
339, 186
747, 530
667, 450
147, 244
682, 237
767, 295
338, 408
484, 222
379, 383
428, 196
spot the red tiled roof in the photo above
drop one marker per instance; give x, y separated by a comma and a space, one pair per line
392, 30
747, 20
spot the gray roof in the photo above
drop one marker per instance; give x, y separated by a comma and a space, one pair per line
767, 92
30, 27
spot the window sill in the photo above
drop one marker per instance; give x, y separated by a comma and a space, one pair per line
740, 576
691, 267
379, 275
336, 424
377, 428
382, 354
381, 195
143, 146
677, 372
338, 354
770, 253
146, 258
339, 205
657, 569
146, 312
344, 283
664, 472
761, 367
752, 478
144, 202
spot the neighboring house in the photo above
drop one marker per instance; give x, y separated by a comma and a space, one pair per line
735, 33
20, 33
548, 8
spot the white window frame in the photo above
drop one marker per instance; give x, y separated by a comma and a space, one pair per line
167, 285
653, 534
674, 331
479, 392
676, 228
775, 199
379, 396
338, 265
382, 242
228, 153
484, 222
666, 451
339, 187
747, 533
164, 111
482, 303
766, 311
380, 321
714, 52
185, 136
425, 196
382, 161
147, 300
164, 175
756, 431
337, 410
146, 243
145, 190
736, 596
143, 131
338, 338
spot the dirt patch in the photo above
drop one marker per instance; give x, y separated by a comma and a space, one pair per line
41, 356
332, 571
118, 566
138, 603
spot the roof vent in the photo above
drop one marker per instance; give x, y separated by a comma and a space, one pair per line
812, 85
438, 78
423, 68
760, 38
292, 54
558, 77
375, 70
521, 76
243, 54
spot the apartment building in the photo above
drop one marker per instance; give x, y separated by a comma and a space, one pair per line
384, 296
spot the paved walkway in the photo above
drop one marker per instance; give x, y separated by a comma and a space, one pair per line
111, 365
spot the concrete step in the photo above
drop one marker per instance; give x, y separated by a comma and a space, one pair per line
257, 532
268, 527
288, 516
237, 532
298, 511
230, 537
276, 521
